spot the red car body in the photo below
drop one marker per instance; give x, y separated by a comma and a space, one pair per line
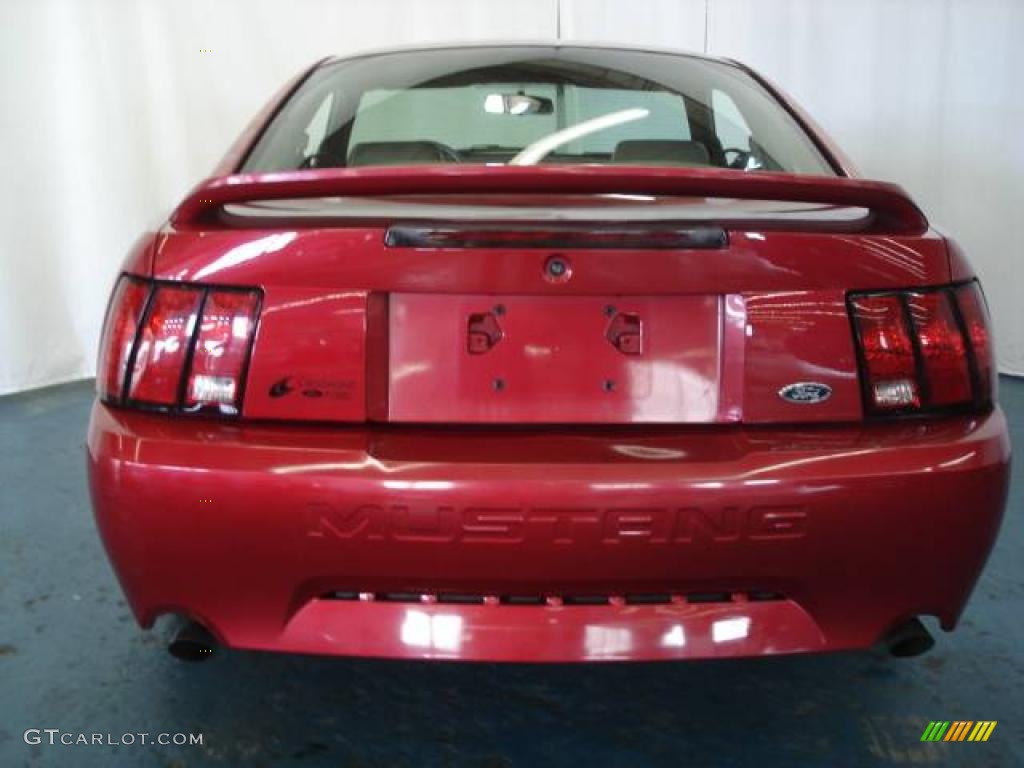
549, 442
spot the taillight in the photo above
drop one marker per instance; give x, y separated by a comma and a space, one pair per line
923, 350
222, 349
942, 347
887, 351
122, 323
177, 345
162, 346
974, 314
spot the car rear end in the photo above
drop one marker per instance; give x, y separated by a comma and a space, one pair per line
556, 412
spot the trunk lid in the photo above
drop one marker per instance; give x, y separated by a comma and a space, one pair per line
387, 296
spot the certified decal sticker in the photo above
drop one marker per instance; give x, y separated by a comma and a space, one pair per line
806, 392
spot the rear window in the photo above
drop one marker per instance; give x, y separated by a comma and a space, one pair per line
526, 105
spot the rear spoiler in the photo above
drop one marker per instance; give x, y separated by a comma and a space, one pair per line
890, 208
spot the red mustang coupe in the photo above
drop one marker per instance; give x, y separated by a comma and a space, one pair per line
545, 353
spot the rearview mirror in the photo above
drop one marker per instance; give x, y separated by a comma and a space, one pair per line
517, 104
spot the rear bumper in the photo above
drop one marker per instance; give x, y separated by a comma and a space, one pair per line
249, 529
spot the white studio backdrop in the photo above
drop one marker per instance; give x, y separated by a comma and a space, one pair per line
113, 109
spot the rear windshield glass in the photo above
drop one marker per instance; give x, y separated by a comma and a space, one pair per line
527, 105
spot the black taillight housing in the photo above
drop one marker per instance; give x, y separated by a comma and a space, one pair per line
924, 350
177, 346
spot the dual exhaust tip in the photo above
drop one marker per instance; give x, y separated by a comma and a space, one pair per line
191, 641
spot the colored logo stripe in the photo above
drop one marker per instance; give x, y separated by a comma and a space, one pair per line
982, 730
935, 730
958, 730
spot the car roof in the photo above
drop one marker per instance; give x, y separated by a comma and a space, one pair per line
500, 44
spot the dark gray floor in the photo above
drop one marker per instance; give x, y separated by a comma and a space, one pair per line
71, 658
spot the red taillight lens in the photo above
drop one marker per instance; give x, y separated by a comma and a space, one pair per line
122, 323
943, 350
175, 346
222, 348
163, 345
974, 313
887, 351
924, 349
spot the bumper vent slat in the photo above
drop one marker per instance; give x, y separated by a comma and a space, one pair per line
343, 596
585, 600
399, 597
649, 599
761, 596
709, 597
522, 600
460, 599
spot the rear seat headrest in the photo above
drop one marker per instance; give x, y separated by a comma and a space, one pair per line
661, 152
397, 153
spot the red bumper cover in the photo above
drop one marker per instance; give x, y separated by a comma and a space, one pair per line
547, 546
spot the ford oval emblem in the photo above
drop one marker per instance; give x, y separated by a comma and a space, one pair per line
806, 392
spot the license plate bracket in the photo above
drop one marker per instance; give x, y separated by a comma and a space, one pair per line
544, 359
